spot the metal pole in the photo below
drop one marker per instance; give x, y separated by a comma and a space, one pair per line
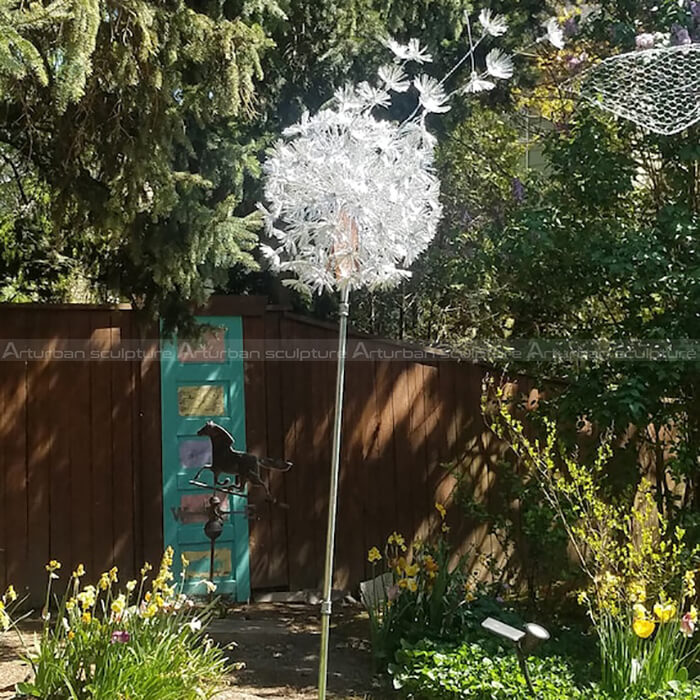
333, 495
523, 667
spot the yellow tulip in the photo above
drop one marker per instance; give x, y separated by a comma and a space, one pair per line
643, 628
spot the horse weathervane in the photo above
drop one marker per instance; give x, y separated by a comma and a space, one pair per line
243, 467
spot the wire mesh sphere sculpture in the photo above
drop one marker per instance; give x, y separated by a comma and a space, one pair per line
658, 89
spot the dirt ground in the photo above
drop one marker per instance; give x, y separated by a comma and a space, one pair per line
276, 646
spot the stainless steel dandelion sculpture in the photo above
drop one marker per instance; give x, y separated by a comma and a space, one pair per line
352, 200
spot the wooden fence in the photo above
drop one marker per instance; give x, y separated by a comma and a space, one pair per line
403, 421
80, 454
80, 476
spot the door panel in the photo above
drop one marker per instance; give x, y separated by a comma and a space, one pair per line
200, 382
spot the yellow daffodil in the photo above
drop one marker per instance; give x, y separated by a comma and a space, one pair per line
80, 571
441, 509
86, 617
10, 594
185, 561
693, 613
665, 611
643, 628
445, 528
373, 555
639, 612
103, 583
113, 574
411, 570
87, 597
130, 586
53, 565
431, 566
71, 634
412, 584
70, 604
145, 569
689, 584
118, 605
396, 539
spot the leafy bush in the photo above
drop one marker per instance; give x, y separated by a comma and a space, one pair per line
480, 671
642, 594
432, 672
142, 643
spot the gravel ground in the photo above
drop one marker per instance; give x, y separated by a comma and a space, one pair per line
276, 647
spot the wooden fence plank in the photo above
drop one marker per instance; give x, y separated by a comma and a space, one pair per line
304, 471
122, 466
382, 480
150, 461
41, 424
277, 558
79, 434
101, 448
60, 398
261, 544
405, 466
14, 436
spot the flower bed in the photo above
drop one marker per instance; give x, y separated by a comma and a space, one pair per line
142, 641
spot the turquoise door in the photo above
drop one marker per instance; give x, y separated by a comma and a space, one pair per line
203, 381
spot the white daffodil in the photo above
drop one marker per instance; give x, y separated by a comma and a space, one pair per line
499, 64
211, 587
555, 34
430, 94
478, 83
494, 25
194, 624
394, 77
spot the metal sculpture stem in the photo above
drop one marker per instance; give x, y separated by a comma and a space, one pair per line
333, 496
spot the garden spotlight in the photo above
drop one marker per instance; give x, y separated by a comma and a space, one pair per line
523, 640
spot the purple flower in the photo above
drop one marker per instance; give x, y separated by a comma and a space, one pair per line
518, 190
575, 62
120, 637
570, 27
645, 41
680, 36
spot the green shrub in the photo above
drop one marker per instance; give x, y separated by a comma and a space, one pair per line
433, 672
144, 642
487, 671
